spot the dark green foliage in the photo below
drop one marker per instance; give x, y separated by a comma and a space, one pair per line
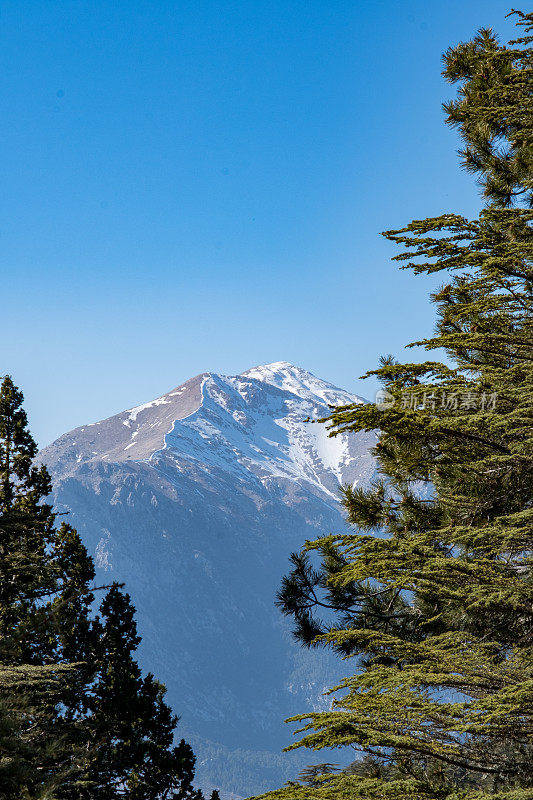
493, 111
32, 752
130, 723
315, 774
77, 717
432, 594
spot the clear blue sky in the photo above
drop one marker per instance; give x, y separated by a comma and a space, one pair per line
193, 186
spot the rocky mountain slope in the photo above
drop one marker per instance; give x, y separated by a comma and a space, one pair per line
196, 500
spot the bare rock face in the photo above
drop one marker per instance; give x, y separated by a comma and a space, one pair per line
196, 501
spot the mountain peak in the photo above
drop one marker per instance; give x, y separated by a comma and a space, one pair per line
182, 496
217, 403
298, 381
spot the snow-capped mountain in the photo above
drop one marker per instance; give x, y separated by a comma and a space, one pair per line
196, 501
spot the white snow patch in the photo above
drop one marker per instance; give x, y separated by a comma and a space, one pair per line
304, 384
134, 412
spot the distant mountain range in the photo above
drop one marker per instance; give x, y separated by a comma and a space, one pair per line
196, 501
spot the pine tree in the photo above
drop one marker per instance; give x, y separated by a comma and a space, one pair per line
493, 111
28, 745
34, 753
432, 595
131, 725
77, 717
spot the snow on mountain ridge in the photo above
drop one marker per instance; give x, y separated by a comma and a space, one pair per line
249, 430
299, 381
217, 418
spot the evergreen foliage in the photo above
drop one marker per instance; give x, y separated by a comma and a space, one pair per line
431, 596
492, 112
77, 717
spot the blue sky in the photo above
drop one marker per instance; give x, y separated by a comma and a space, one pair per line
200, 186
